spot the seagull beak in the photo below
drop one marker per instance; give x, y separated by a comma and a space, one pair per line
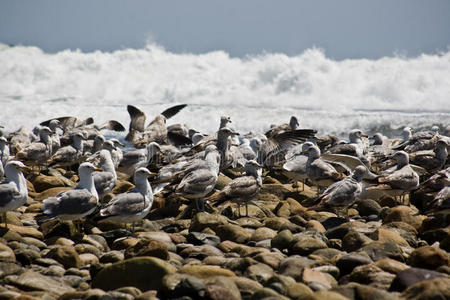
98, 170
364, 135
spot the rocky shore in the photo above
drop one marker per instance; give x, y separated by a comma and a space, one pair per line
280, 251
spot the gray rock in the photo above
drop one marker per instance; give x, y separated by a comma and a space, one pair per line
199, 238
411, 276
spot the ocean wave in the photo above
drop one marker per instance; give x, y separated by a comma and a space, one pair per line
256, 91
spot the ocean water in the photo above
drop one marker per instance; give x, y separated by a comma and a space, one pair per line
256, 91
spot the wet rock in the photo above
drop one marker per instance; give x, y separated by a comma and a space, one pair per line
113, 235
316, 225
438, 288
428, 257
66, 255
26, 256
205, 271
411, 276
137, 270
33, 281
348, 262
147, 247
55, 229
327, 295
199, 238
233, 233
327, 253
329, 269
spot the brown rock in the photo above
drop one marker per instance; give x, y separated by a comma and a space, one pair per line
124, 243
372, 275
298, 291
6, 254
428, 257
205, 220
263, 233
43, 182
271, 259
65, 255
438, 288
313, 224
122, 187
404, 214
312, 276
51, 192
391, 265
11, 218
205, 271
308, 245
147, 247
233, 233
27, 231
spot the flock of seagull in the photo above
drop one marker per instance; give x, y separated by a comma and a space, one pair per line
187, 164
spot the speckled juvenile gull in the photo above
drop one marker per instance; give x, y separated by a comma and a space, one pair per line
77, 203
131, 206
13, 191
243, 189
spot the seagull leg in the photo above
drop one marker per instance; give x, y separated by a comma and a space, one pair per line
239, 209
246, 209
303, 185
197, 207
4, 219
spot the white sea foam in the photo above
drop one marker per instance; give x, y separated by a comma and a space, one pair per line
256, 91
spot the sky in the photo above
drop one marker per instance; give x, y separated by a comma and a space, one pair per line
343, 28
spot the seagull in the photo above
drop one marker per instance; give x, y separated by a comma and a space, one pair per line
38, 153
431, 160
4, 150
13, 191
106, 179
156, 131
69, 155
131, 206
77, 203
293, 125
342, 193
201, 180
243, 189
138, 158
355, 147
319, 171
398, 180
295, 166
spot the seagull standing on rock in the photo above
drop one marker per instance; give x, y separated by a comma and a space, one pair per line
13, 192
